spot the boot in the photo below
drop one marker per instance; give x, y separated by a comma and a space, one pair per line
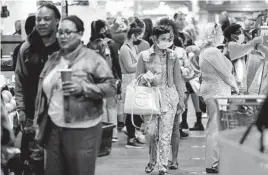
198, 126
184, 124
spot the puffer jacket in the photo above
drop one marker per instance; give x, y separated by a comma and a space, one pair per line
29, 66
90, 71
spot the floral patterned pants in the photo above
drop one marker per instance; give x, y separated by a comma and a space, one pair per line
158, 133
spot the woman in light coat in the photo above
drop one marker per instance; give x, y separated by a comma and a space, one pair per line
217, 80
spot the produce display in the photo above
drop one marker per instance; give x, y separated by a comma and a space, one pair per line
7, 64
10, 103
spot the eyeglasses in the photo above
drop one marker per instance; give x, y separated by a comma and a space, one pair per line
65, 33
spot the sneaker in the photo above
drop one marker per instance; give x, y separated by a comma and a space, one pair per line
120, 126
164, 173
183, 134
115, 139
173, 165
140, 137
133, 144
184, 125
149, 168
197, 127
212, 170
125, 130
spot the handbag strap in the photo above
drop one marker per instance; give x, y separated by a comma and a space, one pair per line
138, 80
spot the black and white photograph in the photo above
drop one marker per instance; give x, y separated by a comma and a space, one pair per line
134, 87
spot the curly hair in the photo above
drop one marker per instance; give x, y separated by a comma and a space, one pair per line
160, 30
134, 28
168, 22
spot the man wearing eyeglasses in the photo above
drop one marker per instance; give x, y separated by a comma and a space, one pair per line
32, 57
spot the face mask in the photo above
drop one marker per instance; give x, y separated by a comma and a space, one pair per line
241, 38
163, 45
102, 35
169, 44
107, 52
137, 42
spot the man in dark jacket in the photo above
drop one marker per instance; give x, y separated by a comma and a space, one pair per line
29, 26
31, 59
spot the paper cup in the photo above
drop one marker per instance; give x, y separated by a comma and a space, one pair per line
66, 74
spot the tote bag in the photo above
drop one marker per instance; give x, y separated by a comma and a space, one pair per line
141, 100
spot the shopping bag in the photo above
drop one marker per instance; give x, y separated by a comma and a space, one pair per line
195, 84
141, 100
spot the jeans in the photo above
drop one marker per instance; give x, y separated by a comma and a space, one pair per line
27, 141
110, 112
72, 151
213, 127
130, 127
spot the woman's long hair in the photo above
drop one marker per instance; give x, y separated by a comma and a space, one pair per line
148, 29
96, 26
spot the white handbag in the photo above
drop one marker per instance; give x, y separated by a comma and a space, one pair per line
141, 100
195, 84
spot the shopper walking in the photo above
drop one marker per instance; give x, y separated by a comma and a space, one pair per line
217, 80
73, 142
186, 71
182, 39
160, 66
128, 61
33, 54
99, 40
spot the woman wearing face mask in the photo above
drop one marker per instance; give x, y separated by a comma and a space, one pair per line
237, 49
99, 30
217, 80
110, 104
128, 61
161, 67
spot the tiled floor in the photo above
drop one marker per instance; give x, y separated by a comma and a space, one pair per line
123, 161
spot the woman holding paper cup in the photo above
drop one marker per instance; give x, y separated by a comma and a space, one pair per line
161, 68
71, 89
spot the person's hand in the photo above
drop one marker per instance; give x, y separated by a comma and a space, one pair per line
236, 90
22, 118
149, 76
257, 40
181, 106
71, 88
